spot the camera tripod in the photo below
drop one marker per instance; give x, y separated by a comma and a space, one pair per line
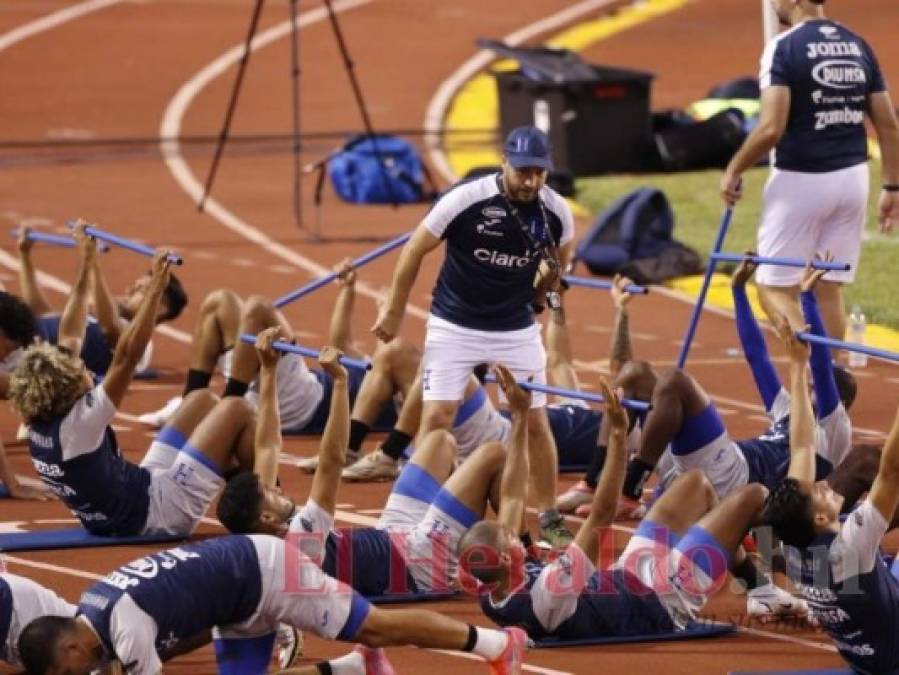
297, 148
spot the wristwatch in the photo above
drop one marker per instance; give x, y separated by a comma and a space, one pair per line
554, 300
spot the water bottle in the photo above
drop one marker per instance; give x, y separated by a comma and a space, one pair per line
857, 334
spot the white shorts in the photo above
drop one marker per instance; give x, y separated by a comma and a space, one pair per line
478, 422
295, 591
662, 563
452, 352
182, 486
808, 213
299, 390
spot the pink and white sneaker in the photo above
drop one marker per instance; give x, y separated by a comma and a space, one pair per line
376, 662
512, 658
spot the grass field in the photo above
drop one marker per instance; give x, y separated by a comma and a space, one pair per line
697, 209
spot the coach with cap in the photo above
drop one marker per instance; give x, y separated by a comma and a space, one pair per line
508, 237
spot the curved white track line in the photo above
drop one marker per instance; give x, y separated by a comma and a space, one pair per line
441, 100
53, 20
184, 176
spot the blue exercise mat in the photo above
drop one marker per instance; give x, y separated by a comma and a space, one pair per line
75, 537
410, 597
573, 468
692, 632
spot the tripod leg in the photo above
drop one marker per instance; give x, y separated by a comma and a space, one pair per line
360, 102
295, 91
232, 104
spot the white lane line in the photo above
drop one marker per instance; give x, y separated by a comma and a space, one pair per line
51, 21
787, 638
51, 568
440, 102
170, 128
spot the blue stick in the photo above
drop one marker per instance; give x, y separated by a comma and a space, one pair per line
781, 262
848, 346
574, 393
328, 278
121, 242
250, 339
55, 239
709, 271
587, 282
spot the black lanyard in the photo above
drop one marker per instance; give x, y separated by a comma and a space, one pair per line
543, 246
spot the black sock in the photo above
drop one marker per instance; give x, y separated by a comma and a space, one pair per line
235, 388
749, 573
324, 668
358, 432
472, 639
526, 539
637, 473
196, 379
396, 443
591, 478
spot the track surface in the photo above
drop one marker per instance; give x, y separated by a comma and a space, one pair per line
113, 72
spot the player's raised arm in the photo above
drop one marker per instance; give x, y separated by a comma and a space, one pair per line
422, 242
802, 419
73, 321
884, 494
267, 442
611, 480
335, 437
339, 332
516, 472
31, 290
134, 338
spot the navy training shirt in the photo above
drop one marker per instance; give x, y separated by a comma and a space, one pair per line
78, 458
95, 350
614, 602
487, 278
851, 592
831, 72
366, 559
184, 590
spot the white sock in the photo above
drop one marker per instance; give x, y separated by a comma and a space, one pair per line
490, 643
349, 664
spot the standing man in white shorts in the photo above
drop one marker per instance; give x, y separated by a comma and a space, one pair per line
507, 237
818, 80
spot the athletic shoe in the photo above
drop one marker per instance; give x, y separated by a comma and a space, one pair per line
289, 643
510, 661
310, 464
373, 467
376, 662
556, 534
159, 417
577, 495
770, 603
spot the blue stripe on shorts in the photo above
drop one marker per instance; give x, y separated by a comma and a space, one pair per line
416, 483
191, 451
697, 431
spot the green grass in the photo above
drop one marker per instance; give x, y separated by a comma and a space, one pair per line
697, 211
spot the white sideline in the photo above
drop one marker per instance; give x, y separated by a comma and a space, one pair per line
53, 20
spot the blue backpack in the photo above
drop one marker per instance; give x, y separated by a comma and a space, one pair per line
378, 169
638, 225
